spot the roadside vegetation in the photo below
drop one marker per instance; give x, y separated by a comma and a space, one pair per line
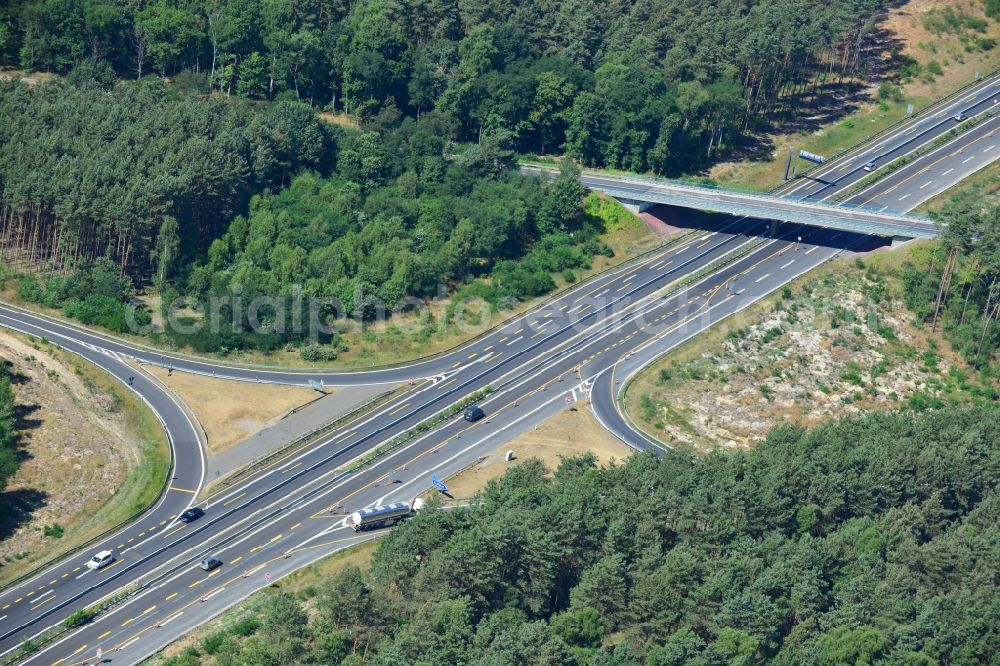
822, 546
9, 455
89, 454
929, 48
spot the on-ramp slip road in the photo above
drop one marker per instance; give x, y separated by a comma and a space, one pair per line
291, 512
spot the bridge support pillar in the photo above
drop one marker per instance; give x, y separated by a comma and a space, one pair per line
635, 206
774, 228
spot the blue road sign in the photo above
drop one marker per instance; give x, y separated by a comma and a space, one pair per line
437, 483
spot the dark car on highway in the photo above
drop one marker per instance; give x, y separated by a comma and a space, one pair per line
210, 563
473, 413
191, 515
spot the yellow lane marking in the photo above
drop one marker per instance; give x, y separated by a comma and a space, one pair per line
76, 569
53, 581
458, 363
80, 649
66, 575
30, 593
213, 573
5, 607
163, 522
175, 531
293, 527
473, 355
350, 434
18, 600
400, 408
230, 501
131, 539
42, 603
104, 635
128, 621
276, 538
925, 169
504, 338
112, 565
495, 357
142, 534
290, 468
441, 386
149, 610
236, 559
58, 661
183, 490
171, 596
486, 349
519, 331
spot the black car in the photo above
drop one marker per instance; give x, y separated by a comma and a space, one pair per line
473, 413
210, 563
192, 515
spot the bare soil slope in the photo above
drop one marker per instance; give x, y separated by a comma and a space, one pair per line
93, 454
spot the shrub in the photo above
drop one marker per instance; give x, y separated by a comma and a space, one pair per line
314, 353
55, 530
246, 627
213, 642
79, 618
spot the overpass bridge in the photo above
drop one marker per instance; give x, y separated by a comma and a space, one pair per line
642, 191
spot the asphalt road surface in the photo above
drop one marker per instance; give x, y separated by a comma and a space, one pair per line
584, 342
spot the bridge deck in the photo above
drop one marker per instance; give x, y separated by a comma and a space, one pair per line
763, 206
848, 218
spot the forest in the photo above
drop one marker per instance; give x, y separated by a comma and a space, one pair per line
9, 456
181, 141
656, 85
871, 540
207, 198
953, 286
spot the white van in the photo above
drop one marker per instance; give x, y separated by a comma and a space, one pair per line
102, 559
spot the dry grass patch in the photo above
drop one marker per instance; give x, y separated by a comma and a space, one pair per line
341, 119
836, 342
917, 26
94, 455
568, 433
232, 411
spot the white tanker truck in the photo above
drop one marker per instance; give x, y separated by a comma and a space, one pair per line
386, 515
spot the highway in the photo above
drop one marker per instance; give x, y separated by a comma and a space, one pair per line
579, 344
921, 179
